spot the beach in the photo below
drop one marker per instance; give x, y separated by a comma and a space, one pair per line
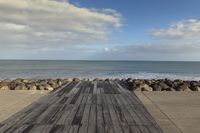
173, 109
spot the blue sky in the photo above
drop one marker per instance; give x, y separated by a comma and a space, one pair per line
100, 29
141, 15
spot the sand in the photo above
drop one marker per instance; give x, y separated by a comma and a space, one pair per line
13, 101
175, 112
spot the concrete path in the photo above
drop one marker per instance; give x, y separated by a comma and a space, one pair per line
14, 101
84, 107
175, 112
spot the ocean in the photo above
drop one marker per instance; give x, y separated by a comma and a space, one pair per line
40, 69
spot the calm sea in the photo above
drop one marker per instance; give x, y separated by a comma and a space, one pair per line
101, 69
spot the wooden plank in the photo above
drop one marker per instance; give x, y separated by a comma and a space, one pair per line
79, 114
134, 115
114, 118
41, 128
153, 129
92, 119
95, 87
65, 115
72, 114
83, 129
100, 120
73, 129
143, 129
107, 119
86, 114
85, 107
135, 129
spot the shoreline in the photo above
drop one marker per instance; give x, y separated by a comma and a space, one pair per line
129, 83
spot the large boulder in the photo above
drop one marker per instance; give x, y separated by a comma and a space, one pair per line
96, 79
107, 80
156, 87
4, 88
169, 83
40, 87
4, 83
53, 84
164, 86
143, 87
183, 87
195, 88
45, 87
48, 87
32, 87
76, 79
86, 79
21, 87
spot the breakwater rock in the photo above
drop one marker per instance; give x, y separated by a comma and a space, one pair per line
161, 85
131, 84
32, 84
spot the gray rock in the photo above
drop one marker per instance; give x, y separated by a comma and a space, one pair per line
164, 86
21, 87
107, 79
96, 79
143, 87
183, 88
156, 87
86, 79
76, 79
4, 88
195, 88
32, 87
40, 87
48, 87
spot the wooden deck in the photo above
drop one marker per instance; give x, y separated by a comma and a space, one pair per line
84, 107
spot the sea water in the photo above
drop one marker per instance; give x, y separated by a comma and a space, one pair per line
40, 69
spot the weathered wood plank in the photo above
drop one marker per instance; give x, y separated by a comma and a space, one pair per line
92, 119
84, 107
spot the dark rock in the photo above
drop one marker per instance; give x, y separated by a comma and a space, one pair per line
76, 79
163, 86
21, 87
143, 87
107, 79
86, 79
195, 88
183, 87
156, 87
4, 83
129, 80
32, 87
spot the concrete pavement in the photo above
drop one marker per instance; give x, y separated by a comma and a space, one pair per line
175, 112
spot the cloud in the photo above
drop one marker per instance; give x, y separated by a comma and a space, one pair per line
51, 24
110, 49
180, 41
186, 29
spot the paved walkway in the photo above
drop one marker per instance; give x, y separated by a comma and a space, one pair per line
175, 112
84, 107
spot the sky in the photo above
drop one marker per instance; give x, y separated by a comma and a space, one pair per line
165, 30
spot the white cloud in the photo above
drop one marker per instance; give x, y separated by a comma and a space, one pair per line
110, 49
181, 41
187, 29
53, 23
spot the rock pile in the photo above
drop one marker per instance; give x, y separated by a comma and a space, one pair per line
24, 84
162, 85
131, 84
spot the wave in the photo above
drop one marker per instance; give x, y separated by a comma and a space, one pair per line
102, 75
